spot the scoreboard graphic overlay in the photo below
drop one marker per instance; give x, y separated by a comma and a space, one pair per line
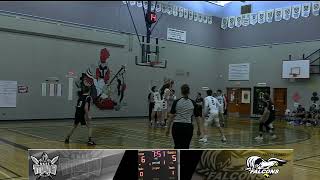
158, 165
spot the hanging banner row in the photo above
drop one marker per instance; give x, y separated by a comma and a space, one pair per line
269, 16
173, 10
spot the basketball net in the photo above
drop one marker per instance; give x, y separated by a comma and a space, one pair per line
293, 77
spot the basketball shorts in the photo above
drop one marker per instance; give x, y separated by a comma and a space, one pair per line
198, 111
158, 107
212, 117
79, 119
221, 110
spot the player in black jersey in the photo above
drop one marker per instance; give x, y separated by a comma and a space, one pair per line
82, 115
199, 119
267, 118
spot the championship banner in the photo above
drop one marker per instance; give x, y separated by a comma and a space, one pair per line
190, 15
296, 10
253, 18
195, 16
224, 23
175, 11
231, 21
158, 7
269, 16
286, 13
238, 21
258, 164
124, 2
305, 12
169, 9
153, 6
315, 8
210, 20
185, 13
145, 5
164, 8
261, 17
205, 19
245, 19
278, 14
200, 17
139, 3
132, 3
180, 12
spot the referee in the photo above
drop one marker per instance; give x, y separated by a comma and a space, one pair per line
181, 115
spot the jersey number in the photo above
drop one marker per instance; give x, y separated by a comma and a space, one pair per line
79, 104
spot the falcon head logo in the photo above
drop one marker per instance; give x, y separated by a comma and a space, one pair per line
257, 165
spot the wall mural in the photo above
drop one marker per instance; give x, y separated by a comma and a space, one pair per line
105, 93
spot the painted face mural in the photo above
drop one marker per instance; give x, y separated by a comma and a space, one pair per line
107, 91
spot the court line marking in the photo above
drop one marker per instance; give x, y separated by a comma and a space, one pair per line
306, 166
308, 157
12, 172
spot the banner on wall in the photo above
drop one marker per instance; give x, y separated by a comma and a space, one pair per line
132, 3
185, 13
175, 11
269, 16
224, 23
278, 14
245, 19
261, 17
286, 13
190, 15
296, 10
195, 16
8, 93
238, 21
145, 5
139, 3
158, 7
210, 20
306, 7
205, 19
176, 35
153, 6
231, 21
239, 72
124, 2
315, 8
169, 9
200, 17
180, 14
253, 18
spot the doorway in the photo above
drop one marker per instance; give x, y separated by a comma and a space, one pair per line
239, 102
280, 100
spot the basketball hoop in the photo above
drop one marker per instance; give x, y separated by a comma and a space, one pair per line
154, 63
293, 77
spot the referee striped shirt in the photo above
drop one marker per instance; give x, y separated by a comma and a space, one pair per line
184, 109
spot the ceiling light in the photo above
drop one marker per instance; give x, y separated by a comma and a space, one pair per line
220, 3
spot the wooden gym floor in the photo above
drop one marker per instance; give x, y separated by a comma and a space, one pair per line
17, 137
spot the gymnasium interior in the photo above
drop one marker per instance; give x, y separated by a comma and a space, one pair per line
244, 48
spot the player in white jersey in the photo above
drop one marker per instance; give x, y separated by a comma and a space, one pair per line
222, 101
158, 106
211, 113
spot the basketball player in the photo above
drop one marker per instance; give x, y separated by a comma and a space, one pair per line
171, 99
267, 118
221, 100
165, 94
158, 106
82, 115
211, 112
199, 119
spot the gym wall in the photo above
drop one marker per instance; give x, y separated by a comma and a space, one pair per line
31, 52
